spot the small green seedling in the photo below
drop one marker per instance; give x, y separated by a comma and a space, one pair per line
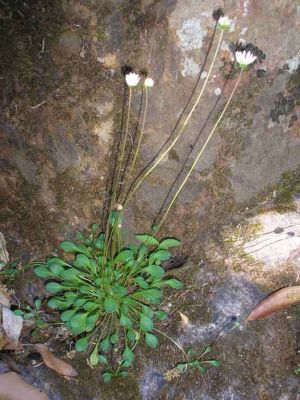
198, 362
33, 313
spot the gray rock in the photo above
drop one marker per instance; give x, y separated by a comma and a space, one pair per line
278, 240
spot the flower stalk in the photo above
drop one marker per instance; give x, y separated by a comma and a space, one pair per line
200, 152
136, 153
184, 125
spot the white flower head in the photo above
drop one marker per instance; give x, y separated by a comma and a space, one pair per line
132, 79
224, 23
149, 82
244, 58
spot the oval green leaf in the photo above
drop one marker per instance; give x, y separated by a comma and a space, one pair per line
107, 376
78, 323
147, 240
54, 287
105, 344
154, 270
82, 344
110, 304
67, 315
57, 303
125, 321
91, 322
42, 271
169, 242
83, 261
160, 255
94, 357
123, 256
161, 315
56, 268
102, 359
128, 355
174, 283
114, 338
146, 323
90, 306
68, 246
71, 274
131, 335
151, 340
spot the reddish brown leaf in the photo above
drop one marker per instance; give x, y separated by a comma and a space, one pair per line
276, 301
13, 387
60, 366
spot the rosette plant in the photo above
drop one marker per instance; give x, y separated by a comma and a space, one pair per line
110, 298
109, 292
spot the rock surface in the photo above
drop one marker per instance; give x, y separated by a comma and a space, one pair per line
278, 240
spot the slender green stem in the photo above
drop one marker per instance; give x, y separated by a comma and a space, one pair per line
142, 132
119, 167
185, 123
201, 151
136, 342
124, 145
173, 341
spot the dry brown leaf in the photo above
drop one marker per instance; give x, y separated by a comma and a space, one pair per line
15, 346
4, 298
13, 387
184, 320
3, 340
4, 256
60, 366
276, 301
12, 324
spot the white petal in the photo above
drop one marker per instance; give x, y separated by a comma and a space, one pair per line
149, 82
238, 56
132, 79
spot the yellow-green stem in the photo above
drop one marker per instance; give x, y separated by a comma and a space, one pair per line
200, 152
186, 121
123, 147
173, 341
142, 132
119, 168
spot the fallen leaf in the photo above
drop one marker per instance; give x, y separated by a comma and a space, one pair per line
60, 366
276, 301
13, 387
184, 320
3, 340
4, 256
4, 296
15, 346
12, 324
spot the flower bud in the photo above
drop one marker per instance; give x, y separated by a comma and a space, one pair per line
149, 82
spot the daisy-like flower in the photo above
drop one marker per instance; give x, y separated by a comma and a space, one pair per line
132, 79
149, 82
244, 58
118, 207
224, 23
